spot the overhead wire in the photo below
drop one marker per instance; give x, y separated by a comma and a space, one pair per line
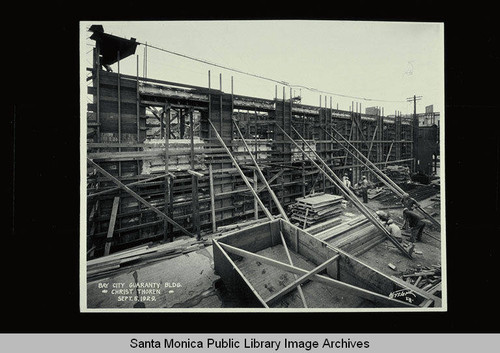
281, 82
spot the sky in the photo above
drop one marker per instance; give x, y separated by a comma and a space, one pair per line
370, 63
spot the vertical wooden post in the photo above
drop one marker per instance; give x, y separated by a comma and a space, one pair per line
232, 107
209, 106
145, 61
194, 181
220, 103
255, 202
220, 114
255, 135
212, 198
167, 229
303, 177
111, 227
138, 120
283, 150
97, 66
138, 131
119, 103
119, 119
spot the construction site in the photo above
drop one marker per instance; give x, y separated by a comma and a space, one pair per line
198, 198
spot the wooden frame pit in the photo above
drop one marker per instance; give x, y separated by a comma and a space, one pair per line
331, 267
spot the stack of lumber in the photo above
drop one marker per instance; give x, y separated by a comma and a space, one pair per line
343, 230
427, 278
358, 237
179, 156
311, 210
145, 254
320, 228
398, 173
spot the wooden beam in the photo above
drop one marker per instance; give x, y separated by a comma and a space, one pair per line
235, 267
363, 293
194, 181
261, 175
255, 202
111, 227
301, 293
137, 197
243, 176
212, 198
273, 178
166, 231
426, 295
194, 173
371, 143
131, 184
277, 296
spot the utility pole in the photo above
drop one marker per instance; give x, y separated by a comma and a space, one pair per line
415, 130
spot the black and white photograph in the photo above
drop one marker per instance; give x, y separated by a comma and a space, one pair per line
262, 166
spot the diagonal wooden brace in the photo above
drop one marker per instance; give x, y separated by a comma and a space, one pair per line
137, 197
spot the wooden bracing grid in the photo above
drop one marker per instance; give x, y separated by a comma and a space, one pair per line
240, 258
155, 138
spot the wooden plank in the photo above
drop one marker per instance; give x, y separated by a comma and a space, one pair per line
194, 173
273, 178
111, 228
212, 198
253, 238
301, 293
426, 295
255, 202
436, 288
130, 184
298, 281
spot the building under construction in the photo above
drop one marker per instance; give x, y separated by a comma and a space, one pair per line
200, 199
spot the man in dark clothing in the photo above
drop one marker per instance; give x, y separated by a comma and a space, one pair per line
416, 224
409, 202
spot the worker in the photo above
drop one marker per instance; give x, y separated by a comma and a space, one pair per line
346, 181
382, 215
394, 230
364, 188
416, 224
409, 202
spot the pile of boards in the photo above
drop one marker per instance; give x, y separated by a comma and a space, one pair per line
427, 278
398, 173
144, 254
355, 236
310, 210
